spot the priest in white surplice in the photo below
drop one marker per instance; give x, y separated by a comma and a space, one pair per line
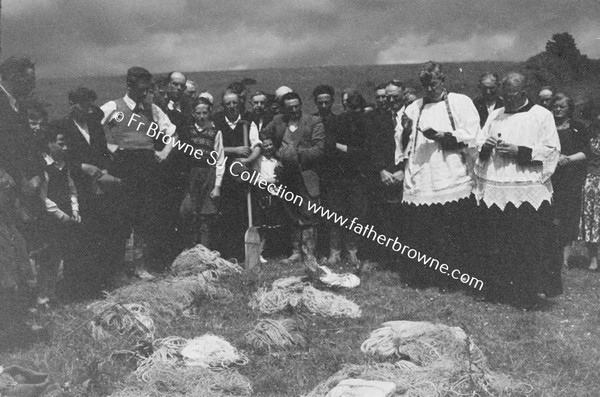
437, 178
519, 149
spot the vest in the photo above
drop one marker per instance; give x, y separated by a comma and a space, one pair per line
231, 138
203, 140
129, 137
58, 187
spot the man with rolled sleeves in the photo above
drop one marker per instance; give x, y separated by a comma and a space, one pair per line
133, 123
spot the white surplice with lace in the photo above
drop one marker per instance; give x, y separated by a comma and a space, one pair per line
500, 179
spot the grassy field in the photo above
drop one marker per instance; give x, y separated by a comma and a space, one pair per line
461, 77
555, 350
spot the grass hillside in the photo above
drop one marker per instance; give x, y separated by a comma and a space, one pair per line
462, 77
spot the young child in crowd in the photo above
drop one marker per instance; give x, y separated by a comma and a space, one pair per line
37, 117
62, 212
268, 208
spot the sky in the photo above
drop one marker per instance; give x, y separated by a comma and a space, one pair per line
105, 37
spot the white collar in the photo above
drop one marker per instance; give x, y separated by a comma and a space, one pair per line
130, 102
50, 161
202, 129
174, 106
233, 122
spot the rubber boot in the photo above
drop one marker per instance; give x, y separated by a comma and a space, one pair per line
262, 248
353, 258
309, 248
335, 252
204, 232
335, 257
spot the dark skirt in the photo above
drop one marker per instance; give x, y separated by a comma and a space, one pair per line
567, 213
519, 254
440, 231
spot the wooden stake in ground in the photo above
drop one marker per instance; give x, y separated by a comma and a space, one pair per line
251, 238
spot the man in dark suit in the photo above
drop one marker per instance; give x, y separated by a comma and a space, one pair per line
89, 159
324, 96
261, 114
300, 143
18, 155
381, 104
19, 177
489, 99
233, 195
386, 170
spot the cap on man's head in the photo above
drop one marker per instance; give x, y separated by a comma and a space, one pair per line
190, 84
281, 91
208, 97
138, 73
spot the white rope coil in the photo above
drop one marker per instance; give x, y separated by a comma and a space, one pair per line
211, 351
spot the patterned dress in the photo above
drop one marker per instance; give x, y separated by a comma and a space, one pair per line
590, 217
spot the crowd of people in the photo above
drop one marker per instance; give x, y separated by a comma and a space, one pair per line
497, 186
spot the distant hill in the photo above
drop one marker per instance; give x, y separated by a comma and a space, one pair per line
462, 77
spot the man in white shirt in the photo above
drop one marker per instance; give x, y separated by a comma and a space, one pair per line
437, 179
519, 149
395, 98
233, 208
134, 124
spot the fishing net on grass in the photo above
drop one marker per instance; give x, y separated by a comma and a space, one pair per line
130, 319
200, 259
211, 351
165, 351
158, 301
423, 343
329, 304
284, 334
438, 361
168, 380
270, 302
442, 378
207, 351
293, 292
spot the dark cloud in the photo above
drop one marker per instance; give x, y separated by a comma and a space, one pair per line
106, 36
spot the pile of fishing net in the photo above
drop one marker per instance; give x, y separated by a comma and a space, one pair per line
207, 351
430, 360
294, 292
135, 308
129, 320
282, 334
201, 260
169, 380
